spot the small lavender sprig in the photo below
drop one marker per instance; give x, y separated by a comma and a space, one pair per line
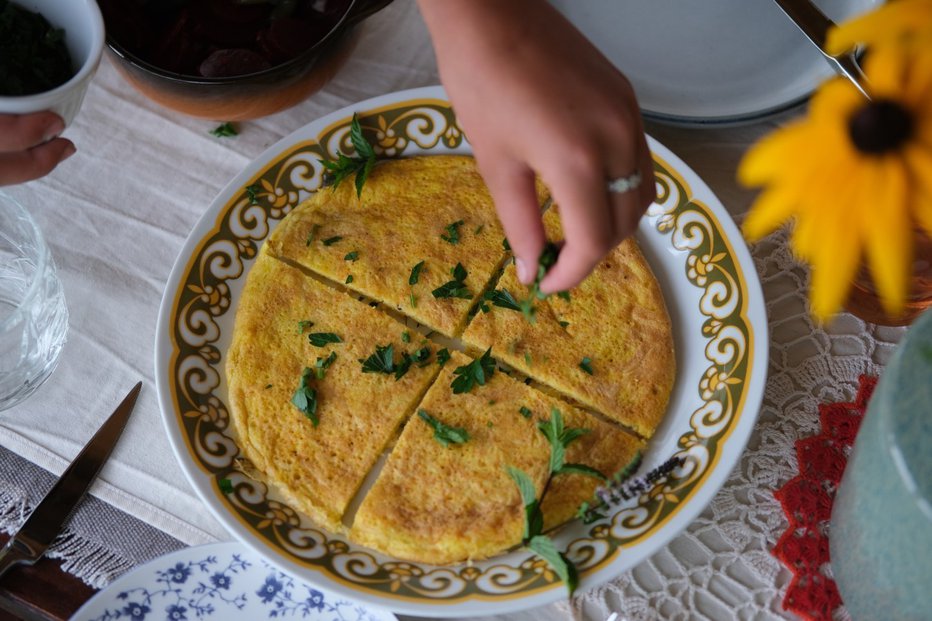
623, 487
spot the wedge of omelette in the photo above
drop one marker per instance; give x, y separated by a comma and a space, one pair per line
438, 503
295, 359
608, 347
422, 238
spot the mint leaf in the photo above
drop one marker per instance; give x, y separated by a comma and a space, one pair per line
544, 547
381, 361
588, 471
305, 397
476, 372
322, 364
415, 273
503, 298
361, 165
224, 130
533, 517
443, 433
452, 235
321, 339
443, 356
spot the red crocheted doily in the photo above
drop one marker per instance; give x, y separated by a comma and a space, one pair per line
807, 501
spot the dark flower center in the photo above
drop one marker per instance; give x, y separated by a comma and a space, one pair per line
880, 126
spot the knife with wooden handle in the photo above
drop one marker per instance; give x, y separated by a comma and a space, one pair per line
45, 522
815, 25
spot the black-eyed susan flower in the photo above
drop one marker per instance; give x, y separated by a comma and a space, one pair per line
900, 22
855, 176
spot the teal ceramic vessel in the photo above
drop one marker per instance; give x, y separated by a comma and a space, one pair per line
881, 527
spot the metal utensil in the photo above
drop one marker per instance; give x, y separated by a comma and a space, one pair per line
45, 522
815, 25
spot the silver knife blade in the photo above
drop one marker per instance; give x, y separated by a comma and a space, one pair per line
815, 25
45, 522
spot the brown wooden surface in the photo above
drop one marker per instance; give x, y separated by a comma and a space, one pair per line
42, 591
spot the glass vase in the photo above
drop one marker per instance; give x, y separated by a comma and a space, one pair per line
864, 301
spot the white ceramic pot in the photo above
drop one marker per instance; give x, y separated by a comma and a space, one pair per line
84, 37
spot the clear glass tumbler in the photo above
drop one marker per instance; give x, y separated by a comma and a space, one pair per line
33, 315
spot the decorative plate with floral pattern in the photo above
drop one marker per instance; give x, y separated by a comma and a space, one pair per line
720, 334
223, 581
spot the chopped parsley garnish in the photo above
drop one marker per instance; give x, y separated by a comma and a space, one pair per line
565, 295
443, 356
478, 229
415, 273
321, 339
476, 372
452, 235
421, 356
455, 288
252, 192
527, 358
525, 411
305, 397
564, 324
348, 280
225, 485
224, 130
505, 245
412, 300
548, 257
322, 364
312, 235
443, 433
382, 361
332, 240
503, 298
304, 324
406, 337
351, 256
361, 165
586, 365
559, 438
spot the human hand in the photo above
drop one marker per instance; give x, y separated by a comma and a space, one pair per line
533, 95
29, 146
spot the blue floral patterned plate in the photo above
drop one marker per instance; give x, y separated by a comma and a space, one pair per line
223, 581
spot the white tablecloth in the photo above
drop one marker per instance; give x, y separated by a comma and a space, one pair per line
117, 213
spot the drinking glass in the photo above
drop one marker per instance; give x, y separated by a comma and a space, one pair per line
33, 315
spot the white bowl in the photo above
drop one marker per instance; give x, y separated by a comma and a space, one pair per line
84, 37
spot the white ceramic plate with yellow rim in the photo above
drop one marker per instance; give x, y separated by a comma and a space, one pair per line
712, 62
720, 333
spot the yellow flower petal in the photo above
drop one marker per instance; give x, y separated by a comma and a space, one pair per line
890, 22
889, 233
885, 70
772, 208
833, 270
919, 164
768, 157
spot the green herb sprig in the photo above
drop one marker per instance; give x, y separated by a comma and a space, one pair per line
443, 433
224, 130
305, 397
547, 259
360, 165
477, 372
452, 235
455, 288
534, 539
322, 339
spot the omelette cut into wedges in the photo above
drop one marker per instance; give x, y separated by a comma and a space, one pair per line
295, 358
608, 347
401, 241
443, 502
